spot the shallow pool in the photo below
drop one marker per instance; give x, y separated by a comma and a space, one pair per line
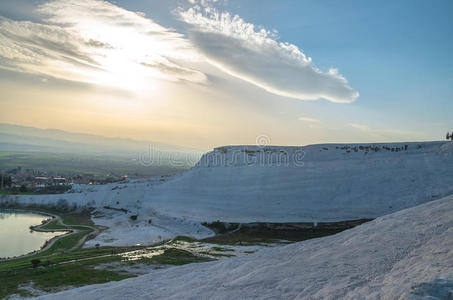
16, 238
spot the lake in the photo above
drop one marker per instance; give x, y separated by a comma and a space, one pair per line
16, 238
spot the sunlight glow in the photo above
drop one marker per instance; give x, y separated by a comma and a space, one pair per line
121, 55
99, 43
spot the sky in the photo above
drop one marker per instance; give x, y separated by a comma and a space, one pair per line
206, 73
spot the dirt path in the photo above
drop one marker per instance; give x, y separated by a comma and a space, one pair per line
94, 230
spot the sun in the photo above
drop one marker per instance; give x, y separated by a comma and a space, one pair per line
119, 72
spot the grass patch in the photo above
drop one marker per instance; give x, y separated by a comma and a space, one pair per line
52, 225
60, 269
54, 277
182, 238
265, 233
68, 242
68, 217
176, 257
73, 275
247, 237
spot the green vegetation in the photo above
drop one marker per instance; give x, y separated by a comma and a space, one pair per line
9, 192
265, 233
57, 271
221, 227
53, 224
257, 237
69, 164
76, 268
182, 238
65, 263
174, 256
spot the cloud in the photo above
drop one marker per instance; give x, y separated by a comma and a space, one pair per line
309, 120
255, 55
42, 49
97, 42
202, 2
360, 127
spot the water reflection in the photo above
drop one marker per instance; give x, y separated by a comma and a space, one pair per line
16, 238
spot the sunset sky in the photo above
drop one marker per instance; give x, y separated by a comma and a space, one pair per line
205, 73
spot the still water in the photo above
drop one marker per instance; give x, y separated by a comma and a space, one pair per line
16, 238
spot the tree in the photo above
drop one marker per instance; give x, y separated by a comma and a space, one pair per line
35, 263
450, 136
5, 181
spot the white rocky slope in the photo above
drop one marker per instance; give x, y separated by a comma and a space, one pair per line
312, 183
249, 183
404, 255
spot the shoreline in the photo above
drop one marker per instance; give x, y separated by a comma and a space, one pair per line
48, 244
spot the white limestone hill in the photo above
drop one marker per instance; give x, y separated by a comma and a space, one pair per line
329, 182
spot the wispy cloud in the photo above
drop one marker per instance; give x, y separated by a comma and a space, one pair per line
309, 120
360, 127
96, 42
255, 55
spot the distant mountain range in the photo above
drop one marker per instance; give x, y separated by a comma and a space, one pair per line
16, 138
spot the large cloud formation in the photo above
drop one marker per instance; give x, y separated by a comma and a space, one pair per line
96, 42
257, 57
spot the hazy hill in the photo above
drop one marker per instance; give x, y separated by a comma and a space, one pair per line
74, 142
62, 151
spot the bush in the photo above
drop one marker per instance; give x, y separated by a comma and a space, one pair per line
35, 263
